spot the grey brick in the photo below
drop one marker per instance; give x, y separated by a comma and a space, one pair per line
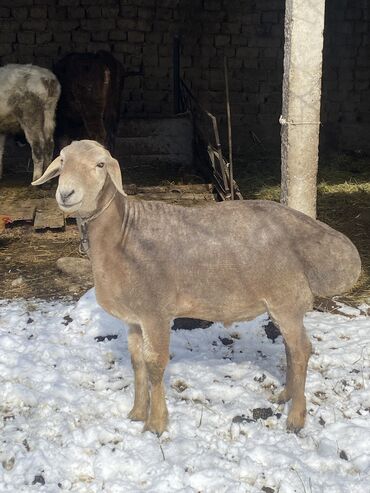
39, 12
48, 50
213, 5
94, 46
26, 37
7, 37
42, 61
58, 13
164, 13
153, 38
98, 24
99, 35
93, 12
239, 40
76, 13
132, 82
9, 25
26, 49
135, 37
69, 3
152, 108
21, 3
145, 13
66, 25
98, 2
42, 38
34, 25
222, 40
231, 27
144, 25
117, 35
134, 107
126, 24
126, 47
128, 11
81, 36
62, 37
4, 12
5, 49
110, 12
270, 17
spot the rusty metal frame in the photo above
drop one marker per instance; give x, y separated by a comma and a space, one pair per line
205, 131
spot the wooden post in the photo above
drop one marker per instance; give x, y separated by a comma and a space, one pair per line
300, 119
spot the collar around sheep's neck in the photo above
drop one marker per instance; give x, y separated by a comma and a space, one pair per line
84, 221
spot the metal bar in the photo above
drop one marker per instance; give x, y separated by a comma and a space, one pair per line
177, 106
219, 150
228, 112
222, 180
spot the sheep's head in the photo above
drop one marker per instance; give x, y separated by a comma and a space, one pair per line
83, 167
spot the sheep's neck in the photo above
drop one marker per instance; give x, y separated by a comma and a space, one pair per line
102, 229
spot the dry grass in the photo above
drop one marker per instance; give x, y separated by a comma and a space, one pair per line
343, 201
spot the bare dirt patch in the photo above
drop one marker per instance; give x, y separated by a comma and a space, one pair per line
28, 263
28, 258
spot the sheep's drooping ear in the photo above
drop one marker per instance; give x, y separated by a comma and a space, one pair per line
114, 172
52, 171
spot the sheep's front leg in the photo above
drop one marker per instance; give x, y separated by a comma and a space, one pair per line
139, 412
156, 356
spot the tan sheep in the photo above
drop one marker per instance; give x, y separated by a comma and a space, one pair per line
153, 262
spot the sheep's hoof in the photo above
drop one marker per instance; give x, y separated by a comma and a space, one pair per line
138, 414
295, 421
157, 426
282, 397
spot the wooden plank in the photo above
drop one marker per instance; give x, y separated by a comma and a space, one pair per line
20, 211
48, 215
47, 203
53, 219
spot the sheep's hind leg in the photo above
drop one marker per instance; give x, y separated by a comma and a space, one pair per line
139, 412
156, 355
298, 351
34, 136
286, 394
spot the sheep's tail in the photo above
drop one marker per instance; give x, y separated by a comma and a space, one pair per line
332, 263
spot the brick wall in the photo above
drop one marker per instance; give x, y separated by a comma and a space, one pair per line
346, 76
249, 32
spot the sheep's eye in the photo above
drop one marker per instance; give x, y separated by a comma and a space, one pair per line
100, 165
61, 163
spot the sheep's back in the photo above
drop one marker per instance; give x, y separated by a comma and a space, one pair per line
330, 261
269, 236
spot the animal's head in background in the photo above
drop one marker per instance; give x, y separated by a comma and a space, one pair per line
83, 168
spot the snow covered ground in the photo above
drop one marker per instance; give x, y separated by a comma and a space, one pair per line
64, 397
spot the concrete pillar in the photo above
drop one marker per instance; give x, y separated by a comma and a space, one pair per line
300, 120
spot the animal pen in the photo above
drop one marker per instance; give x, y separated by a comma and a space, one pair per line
173, 137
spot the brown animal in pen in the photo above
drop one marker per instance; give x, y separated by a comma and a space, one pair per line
89, 105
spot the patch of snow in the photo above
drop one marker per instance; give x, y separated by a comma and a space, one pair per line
65, 399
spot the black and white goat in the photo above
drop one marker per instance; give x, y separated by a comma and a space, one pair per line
28, 99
